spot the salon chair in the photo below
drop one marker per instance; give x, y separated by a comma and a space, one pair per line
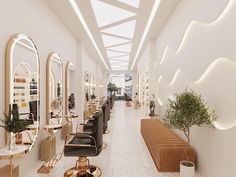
83, 145
105, 110
109, 109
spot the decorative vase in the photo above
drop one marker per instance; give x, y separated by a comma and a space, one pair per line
18, 138
187, 169
11, 142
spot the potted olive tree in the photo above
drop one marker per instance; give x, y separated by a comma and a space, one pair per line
186, 111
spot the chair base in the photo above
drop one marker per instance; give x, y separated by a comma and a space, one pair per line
93, 171
83, 169
104, 145
106, 132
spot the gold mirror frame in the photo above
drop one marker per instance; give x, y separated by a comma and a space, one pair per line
9, 79
69, 66
51, 57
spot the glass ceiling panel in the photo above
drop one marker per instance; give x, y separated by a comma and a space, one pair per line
119, 68
124, 29
134, 3
106, 14
124, 58
112, 54
117, 62
110, 40
122, 48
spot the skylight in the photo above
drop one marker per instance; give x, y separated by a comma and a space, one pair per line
112, 54
134, 3
124, 58
116, 62
125, 29
122, 48
106, 14
110, 40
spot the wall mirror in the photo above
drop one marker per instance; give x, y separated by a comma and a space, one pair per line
54, 89
86, 83
22, 93
70, 89
91, 86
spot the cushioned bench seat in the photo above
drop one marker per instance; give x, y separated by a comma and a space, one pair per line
167, 148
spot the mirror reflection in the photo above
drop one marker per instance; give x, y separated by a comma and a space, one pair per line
54, 89
22, 93
70, 89
86, 87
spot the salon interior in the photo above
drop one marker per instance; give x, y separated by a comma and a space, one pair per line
117, 88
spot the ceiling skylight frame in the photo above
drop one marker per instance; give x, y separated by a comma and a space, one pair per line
150, 20
82, 20
102, 9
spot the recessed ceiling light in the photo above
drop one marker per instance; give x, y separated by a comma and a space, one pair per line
125, 29
106, 14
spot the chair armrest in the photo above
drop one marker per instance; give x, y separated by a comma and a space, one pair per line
79, 135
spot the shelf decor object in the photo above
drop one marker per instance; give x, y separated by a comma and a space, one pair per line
22, 110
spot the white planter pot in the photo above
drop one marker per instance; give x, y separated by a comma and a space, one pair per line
187, 169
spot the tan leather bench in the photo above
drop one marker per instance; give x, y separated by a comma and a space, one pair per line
166, 148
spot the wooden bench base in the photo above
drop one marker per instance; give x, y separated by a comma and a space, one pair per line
166, 148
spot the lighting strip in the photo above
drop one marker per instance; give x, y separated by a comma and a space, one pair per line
79, 15
153, 13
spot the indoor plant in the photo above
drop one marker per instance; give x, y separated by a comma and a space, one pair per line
111, 88
13, 124
186, 111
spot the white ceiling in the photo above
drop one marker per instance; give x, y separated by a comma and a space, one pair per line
116, 27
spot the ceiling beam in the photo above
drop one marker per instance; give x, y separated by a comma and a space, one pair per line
127, 38
119, 22
118, 51
124, 43
121, 5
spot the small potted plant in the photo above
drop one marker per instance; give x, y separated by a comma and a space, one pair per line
186, 111
13, 125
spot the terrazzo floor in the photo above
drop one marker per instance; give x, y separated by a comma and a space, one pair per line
126, 154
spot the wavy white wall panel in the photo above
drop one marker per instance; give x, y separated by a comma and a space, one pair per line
195, 11
216, 86
202, 43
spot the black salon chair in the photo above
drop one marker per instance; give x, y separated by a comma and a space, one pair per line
109, 109
83, 145
105, 117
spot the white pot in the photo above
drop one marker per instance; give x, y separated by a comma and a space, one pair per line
187, 169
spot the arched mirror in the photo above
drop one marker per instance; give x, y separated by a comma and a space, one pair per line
86, 80
70, 89
54, 90
90, 85
71, 97
22, 95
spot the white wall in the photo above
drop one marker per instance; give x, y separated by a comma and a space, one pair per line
37, 21
195, 49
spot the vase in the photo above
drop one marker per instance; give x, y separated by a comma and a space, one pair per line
11, 141
18, 137
187, 169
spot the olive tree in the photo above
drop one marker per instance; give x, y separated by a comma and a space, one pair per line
187, 110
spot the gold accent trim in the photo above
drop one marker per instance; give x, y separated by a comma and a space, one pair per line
48, 104
48, 165
69, 65
8, 73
